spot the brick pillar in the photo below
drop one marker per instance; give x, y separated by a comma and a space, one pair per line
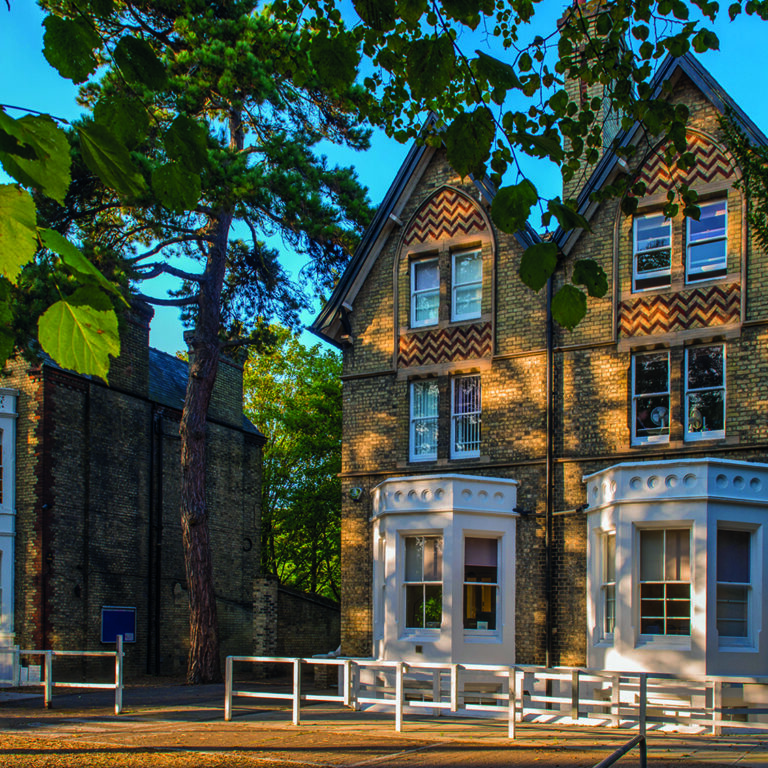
265, 616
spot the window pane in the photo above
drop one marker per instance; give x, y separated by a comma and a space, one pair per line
426, 306
651, 373
610, 608
467, 300
433, 558
732, 610
479, 606
414, 558
705, 367
651, 555
733, 556
652, 261
424, 399
707, 260
652, 232
426, 275
469, 268
610, 558
481, 552
433, 605
706, 411
678, 547
711, 222
414, 606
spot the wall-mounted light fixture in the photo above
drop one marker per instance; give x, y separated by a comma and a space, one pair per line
356, 493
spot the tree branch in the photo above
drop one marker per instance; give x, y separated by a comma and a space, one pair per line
180, 302
159, 268
159, 247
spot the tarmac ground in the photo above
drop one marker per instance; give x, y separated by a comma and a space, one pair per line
165, 726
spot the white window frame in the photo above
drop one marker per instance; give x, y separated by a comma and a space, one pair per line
606, 586
719, 269
416, 420
455, 285
748, 639
656, 273
665, 582
432, 320
496, 586
648, 439
712, 434
456, 451
424, 583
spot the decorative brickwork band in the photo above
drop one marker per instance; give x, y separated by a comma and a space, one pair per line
712, 164
447, 213
698, 308
463, 342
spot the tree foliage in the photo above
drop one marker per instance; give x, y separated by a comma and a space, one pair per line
293, 393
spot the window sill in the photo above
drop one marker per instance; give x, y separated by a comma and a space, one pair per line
478, 636
664, 642
420, 636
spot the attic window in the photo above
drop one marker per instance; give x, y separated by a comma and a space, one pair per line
652, 252
707, 242
425, 292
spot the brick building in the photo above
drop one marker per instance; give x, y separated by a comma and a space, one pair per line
90, 507
515, 492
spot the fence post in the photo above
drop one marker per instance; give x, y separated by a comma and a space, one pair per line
454, 687
228, 689
643, 703
616, 701
119, 675
437, 694
520, 696
574, 694
717, 707
399, 696
512, 702
296, 691
347, 683
16, 666
48, 679
356, 688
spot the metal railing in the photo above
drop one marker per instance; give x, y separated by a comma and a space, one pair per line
48, 683
517, 693
638, 741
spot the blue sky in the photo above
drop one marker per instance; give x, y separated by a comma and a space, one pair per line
29, 82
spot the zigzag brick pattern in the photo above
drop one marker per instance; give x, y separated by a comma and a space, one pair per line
446, 214
711, 165
701, 307
462, 342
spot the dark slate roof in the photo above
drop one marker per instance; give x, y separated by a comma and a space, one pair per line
668, 68
168, 383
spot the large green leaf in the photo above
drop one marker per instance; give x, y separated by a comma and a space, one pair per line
125, 116
589, 273
109, 159
498, 73
377, 14
567, 217
177, 188
49, 170
465, 11
538, 264
430, 65
18, 236
546, 145
79, 335
74, 259
335, 60
68, 46
139, 63
468, 141
7, 336
14, 139
512, 206
569, 305
186, 142
411, 10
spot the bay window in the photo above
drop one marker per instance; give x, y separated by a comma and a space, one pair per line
652, 252
665, 581
734, 582
423, 432
481, 583
608, 586
705, 392
423, 582
707, 242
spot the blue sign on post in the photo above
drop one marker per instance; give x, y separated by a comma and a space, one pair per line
118, 620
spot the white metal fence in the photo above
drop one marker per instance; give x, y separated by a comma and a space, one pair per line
48, 683
516, 693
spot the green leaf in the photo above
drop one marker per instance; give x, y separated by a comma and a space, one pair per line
123, 115
538, 264
465, 11
139, 63
546, 145
377, 14
80, 336
468, 141
186, 142
18, 235
68, 46
101, 8
14, 139
430, 64
569, 305
411, 10
177, 188
566, 217
335, 60
109, 159
512, 206
498, 73
590, 274
48, 171
74, 259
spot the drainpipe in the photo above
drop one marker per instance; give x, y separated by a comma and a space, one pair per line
549, 495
